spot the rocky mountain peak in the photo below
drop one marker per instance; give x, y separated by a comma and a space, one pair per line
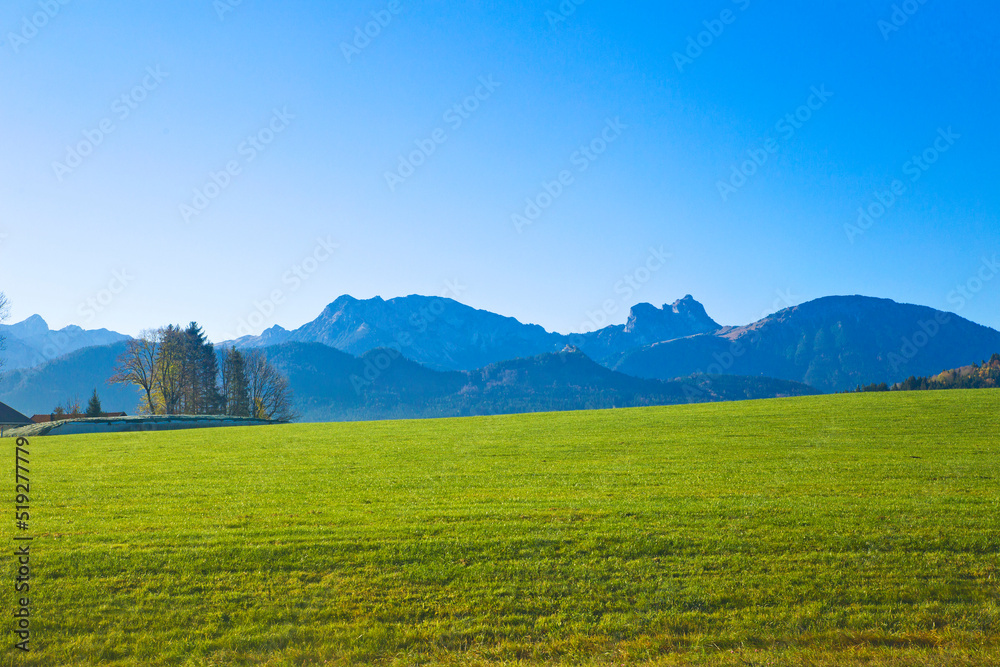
33, 326
685, 317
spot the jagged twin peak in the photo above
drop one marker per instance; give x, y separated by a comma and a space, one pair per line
685, 317
444, 334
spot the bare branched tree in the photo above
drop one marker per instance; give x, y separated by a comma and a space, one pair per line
137, 366
270, 395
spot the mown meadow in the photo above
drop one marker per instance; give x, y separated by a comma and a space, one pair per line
858, 529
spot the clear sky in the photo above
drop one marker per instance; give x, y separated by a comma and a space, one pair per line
192, 160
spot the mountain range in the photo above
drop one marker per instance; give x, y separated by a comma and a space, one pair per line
446, 335
833, 343
40, 389
31, 343
442, 358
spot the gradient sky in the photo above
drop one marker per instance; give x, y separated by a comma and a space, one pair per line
110, 230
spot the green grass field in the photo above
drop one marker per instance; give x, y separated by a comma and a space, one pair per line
835, 530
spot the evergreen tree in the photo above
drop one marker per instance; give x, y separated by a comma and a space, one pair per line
177, 370
94, 406
208, 364
235, 386
200, 372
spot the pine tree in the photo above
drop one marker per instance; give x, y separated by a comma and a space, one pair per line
208, 371
235, 387
192, 388
200, 372
94, 406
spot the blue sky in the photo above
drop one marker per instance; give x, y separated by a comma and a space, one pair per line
196, 160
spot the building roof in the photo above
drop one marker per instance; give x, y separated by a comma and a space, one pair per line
11, 417
45, 419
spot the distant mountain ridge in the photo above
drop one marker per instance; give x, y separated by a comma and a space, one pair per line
647, 325
439, 333
444, 334
833, 343
31, 343
40, 389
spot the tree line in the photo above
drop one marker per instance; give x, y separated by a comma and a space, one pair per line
976, 376
178, 371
